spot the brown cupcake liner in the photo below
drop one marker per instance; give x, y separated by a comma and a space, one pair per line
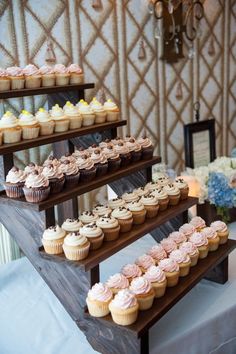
101, 169
72, 180
46, 128
14, 190
32, 81
34, 195
136, 156
17, 83
113, 116
100, 117
76, 78
174, 199
111, 234
147, 153
56, 185
12, 135
5, 84
139, 217
62, 79
113, 164
125, 160
184, 193
76, 253
61, 125
30, 132
163, 204
125, 224
87, 175
95, 242
48, 80
152, 211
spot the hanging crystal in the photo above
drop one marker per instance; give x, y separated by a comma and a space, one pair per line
97, 4
141, 52
50, 56
157, 32
211, 48
179, 92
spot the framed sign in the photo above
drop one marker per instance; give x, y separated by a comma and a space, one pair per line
199, 142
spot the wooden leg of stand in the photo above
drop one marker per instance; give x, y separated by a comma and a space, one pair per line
144, 342
149, 173
185, 217
220, 273
50, 217
8, 163
94, 275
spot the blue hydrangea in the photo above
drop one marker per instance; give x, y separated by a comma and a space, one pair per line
219, 192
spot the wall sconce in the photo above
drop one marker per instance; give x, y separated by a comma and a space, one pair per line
176, 18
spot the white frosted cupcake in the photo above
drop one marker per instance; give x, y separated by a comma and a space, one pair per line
102, 210
29, 124
141, 191
10, 128
138, 212
113, 112
86, 217
72, 112
116, 203
32, 76
36, 188
182, 185
45, 121
143, 291
71, 225
157, 278
62, 75
124, 308
87, 114
14, 184
222, 231
173, 193
76, 246
162, 197
98, 109
98, 300
130, 197
60, 119
48, 76
94, 234
55, 176
124, 218
109, 226
151, 205
52, 240
151, 186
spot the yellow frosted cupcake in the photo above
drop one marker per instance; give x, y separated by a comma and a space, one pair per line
98, 300
171, 269
87, 114
98, 109
157, 278
72, 113
117, 282
29, 124
222, 231
53, 239
213, 238
183, 260
124, 308
200, 240
113, 112
10, 129
142, 289
45, 121
60, 119
76, 246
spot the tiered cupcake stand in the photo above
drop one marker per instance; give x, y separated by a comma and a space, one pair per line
69, 280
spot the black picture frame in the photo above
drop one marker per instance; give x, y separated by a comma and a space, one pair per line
197, 127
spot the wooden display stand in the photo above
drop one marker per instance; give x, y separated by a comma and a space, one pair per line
70, 281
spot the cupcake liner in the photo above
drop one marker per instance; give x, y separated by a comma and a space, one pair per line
76, 78
203, 252
95, 242
33, 81
61, 125
184, 269
1, 138
101, 169
75, 122
136, 156
213, 244
62, 79
100, 117
147, 153
17, 83
125, 224
72, 180
46, 128
34, 195
14, 190
125, 159
184, 193
194, 259
88, 119
174, 199
145, 301
97, 308
48, 80
159, 288
87, 175
53, 246
76, 253
163, 204
152, 211
172, 279
30, 132
113, 116
124, 317
223, 237
113, 164
111, 234
139, 217
5, 84
56, 185
12, 135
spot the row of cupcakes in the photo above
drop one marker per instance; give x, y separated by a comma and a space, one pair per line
16, 78
103, 223
137, 284
58, 119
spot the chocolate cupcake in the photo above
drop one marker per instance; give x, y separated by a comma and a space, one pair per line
103, 144
135, 149
71, 173
113, 158
124, 153
86, 168
36, 187
55, 176
31, 167
69, 157
52, 160
100, 162
147, 148
15, 181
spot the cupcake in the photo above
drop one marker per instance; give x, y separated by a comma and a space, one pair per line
151, 205
162, 197
151, 186
104, 144
102, 210
116, 203
94, 234
29, 124
9, 126
32, 76
36, 187
52, 160
55, 176
124, 218
201, 241
5, 82
86, 168
60, 119
87, 114
112, 157
171, 269
213, 238
187, 229
124, 308
71, 173
183, 187
157, 278
131, 271
141, 191
168, 245
62, 75
71, 225
48, 76
109, 226
192, 250
113, 112
142, 289
53, 239
31, 167
178, 237
198, 223
144, 262
183, 260
163, 180
117, 282
157, 252
100, 162
72, 113
45, 121
138, 212
117, 140
76, 246
147, 148
124, 154
87, 217
17, 77
76, 74
80, 152
129, 197
222, 231
134, 149
173, 193
1, 138
98, 109
14, 184
98, 300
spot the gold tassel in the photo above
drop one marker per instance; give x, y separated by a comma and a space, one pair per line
50, 56
97, 4
211, 48
179, 92
141, 52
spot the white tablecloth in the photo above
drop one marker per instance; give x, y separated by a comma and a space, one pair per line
32, 321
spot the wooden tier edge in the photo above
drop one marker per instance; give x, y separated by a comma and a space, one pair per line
125, 239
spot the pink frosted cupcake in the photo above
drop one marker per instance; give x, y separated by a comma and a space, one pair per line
143, 291
5, 82
213, 238
144, 262
131, 271
178, 237
32, 76
192, 250
183, 260
124, 308
117, 282
15, 181
187, 229
76, 74
200, 240
62, 75
168, 245
198, 223
17, 77
36, 187
48, 76
157, 278
157, 252
171, 269
98, 300
221, 228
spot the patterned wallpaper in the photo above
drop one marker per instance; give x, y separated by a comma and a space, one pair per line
153, 95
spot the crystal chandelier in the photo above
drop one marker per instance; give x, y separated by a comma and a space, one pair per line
175, 18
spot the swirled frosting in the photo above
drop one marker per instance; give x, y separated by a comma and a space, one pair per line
219, 226
155, 275
135, 206
14, 71
42, 115
189, 247
179, 256
144, 142
60, 69
110, 152
131, 271
169, 265
102, 210
31, 70
51, 172
85, 163
46, 70
105, 143
8, 120
80, 103
70, 109
145, 261
117, 141
15, 176
163, 180
132, 145
3, 73
116, 203
178, 237
209, 232
199, 239
157, 252
87, 217
52, 160
72, 225
57, 113
198, 222
98, 157
124, 300
168, 244
53, 233
69, 168
85, 109
121, 149
68, 157
31, 167
110, 106
91, 230
107, 222
27, 118
117, 281
36, 180
149, 199
74, 68
96, 106
187, 229
141, 191
150, 186
170, 189
121, 213
140, 286
180, 183
129, 197
160, 194
75, 239
100, 292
